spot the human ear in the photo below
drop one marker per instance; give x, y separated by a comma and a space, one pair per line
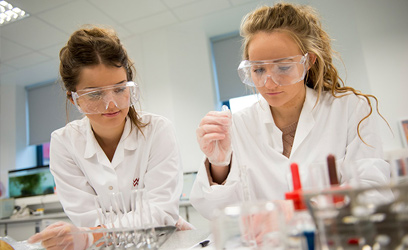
69, 95
312, 59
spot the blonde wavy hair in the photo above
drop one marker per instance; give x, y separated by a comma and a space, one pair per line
303, 24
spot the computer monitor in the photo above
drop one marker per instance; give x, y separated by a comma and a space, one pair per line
189, 178
30, 182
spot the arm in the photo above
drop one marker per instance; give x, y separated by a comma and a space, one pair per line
73, 189
163, 177
363, 161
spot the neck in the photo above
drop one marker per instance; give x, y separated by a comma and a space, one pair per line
289, 113
108, 139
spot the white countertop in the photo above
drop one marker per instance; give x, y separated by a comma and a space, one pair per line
185, 239
34, 218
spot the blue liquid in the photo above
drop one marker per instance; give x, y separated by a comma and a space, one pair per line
310, 238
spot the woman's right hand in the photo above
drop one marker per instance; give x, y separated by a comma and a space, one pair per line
61, 235
213, 136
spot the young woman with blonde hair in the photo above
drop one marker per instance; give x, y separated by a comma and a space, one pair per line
305, 113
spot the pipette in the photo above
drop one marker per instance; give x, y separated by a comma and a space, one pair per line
242, 168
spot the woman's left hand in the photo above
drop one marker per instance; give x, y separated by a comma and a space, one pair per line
61, 235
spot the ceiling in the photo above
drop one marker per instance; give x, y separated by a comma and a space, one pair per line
37, 39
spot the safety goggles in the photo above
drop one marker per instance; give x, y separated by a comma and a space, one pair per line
97, 100
284, 71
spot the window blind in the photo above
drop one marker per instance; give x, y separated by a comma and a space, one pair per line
46, 111
226, 58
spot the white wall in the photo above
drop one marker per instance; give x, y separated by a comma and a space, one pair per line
176, 77
372, 38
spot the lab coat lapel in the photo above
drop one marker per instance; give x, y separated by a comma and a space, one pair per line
92, 147
306, 119
272, 133
91, 143
119, 152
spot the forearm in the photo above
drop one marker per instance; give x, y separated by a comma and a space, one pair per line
219, 173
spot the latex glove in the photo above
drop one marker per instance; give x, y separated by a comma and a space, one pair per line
183, 225
213, 136
61, 235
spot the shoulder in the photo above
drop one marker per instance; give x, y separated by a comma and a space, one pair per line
72, 129
154, 122
257, 113
259, 110
345, 99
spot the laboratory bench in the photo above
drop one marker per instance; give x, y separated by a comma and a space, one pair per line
22, 228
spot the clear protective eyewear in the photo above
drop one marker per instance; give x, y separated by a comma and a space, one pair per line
97, 100
284, 71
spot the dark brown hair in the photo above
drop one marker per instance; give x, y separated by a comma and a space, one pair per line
93, 46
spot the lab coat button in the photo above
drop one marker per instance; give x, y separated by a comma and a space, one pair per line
110, 187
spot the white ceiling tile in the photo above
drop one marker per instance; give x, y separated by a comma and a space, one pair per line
34, 7
151, 23
74, 15
53, 51
177, 3
10, 50
200, 8
239, 2
127, 10
27, 60
32, 33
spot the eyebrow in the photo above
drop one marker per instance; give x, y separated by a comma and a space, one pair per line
88, 88
289, 58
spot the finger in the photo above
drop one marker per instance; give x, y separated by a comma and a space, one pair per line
219, 113
210, 128
46, 233
35, 238
221, 120
63, 241
211, 138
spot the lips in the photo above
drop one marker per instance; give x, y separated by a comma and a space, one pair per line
275, 93
111, 114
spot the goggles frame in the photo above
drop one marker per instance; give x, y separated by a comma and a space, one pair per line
244, 69
133, 95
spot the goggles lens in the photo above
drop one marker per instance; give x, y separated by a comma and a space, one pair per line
97, 100
283, 71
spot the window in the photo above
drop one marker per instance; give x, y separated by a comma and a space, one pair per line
231, 91
226, 52
46, 111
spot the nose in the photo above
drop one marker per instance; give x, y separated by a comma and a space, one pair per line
110, 101
269, 82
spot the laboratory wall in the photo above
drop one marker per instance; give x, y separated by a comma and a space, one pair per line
174, 70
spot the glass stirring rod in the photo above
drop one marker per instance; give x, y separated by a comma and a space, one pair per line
242, 168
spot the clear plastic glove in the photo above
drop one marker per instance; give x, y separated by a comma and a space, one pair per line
213, 136
61, 235
183, 225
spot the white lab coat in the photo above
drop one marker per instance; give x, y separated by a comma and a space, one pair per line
82, 170
330, 127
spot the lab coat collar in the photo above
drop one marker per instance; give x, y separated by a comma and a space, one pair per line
306, 119
265, 111
92, 145
129, 138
